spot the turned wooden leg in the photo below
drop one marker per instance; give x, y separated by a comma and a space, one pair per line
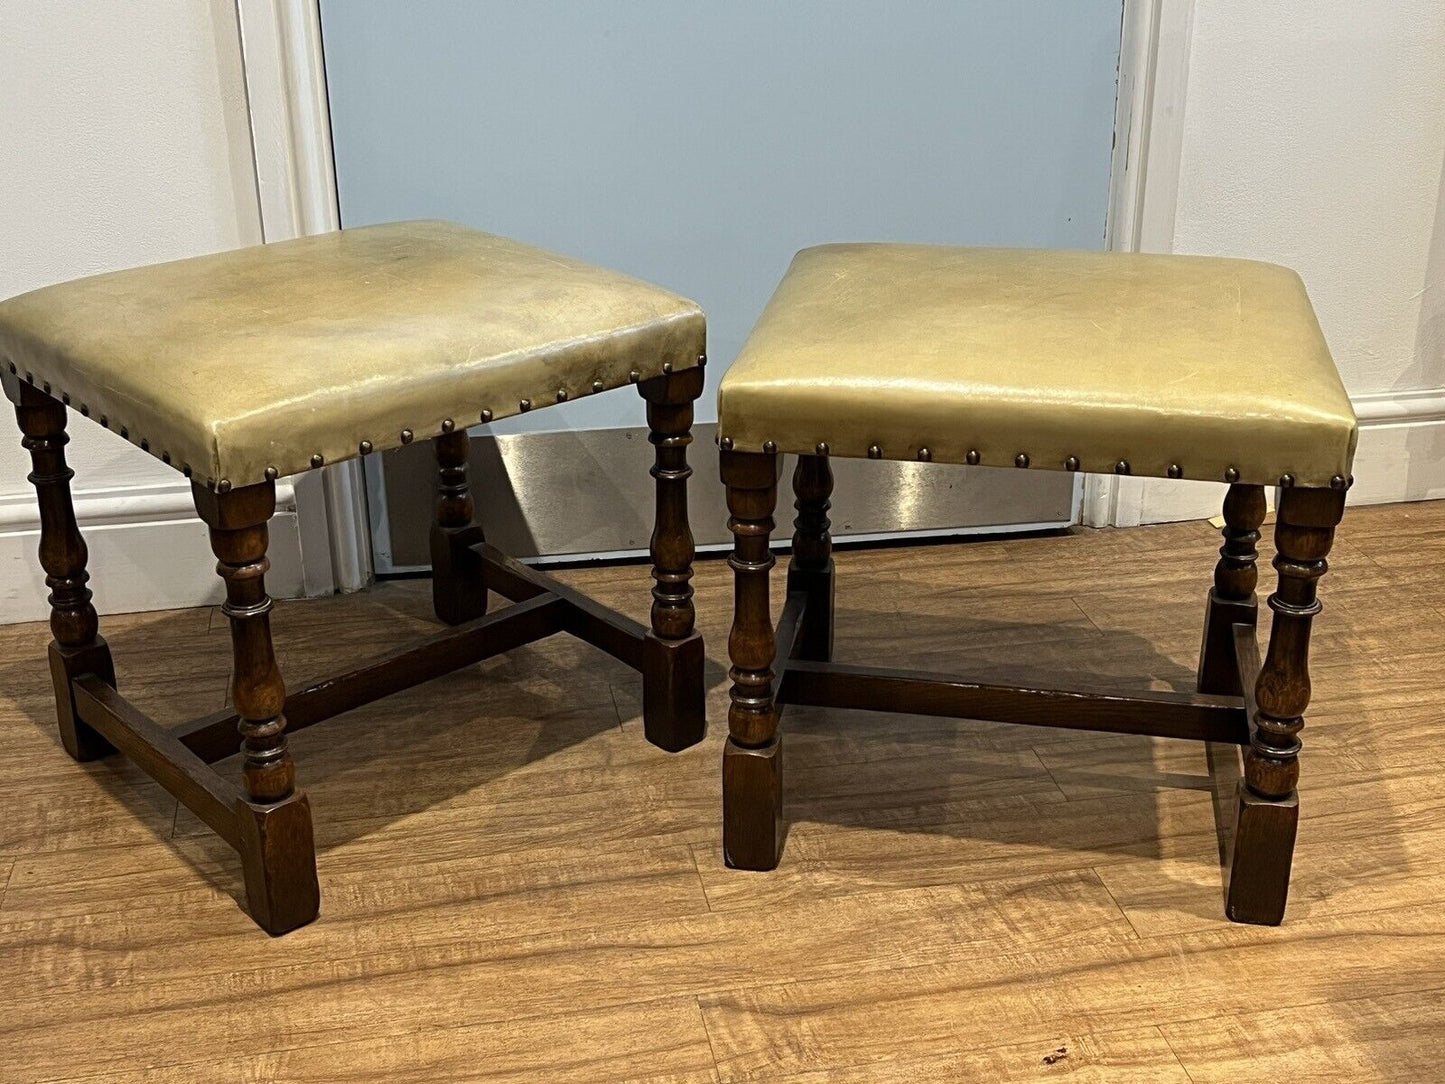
752, 758
278, 853
673, 714
811, 567
1232, 600
1268, 805
77, 648
458, 590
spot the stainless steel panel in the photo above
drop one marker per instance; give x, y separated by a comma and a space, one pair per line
588, 492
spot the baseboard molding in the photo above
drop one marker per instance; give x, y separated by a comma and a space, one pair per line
148, 551
1401, 457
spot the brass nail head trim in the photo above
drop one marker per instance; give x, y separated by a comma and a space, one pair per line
770, 448
364, 447
486, 415
525, 405
667, 366
65, 397
822, 448
1072, 463
317, 459
972, 458
726, 444
223, 486
406, 436
271, 474
1021, 460
702, 361
597, 385
186, 469
924, 455
561, 395
1286, 480
1337, 482
875, 452
1231, 475
1121, 467
1176, 471
634, 376
448, 425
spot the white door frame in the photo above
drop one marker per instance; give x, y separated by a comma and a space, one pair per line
295, 176
296, 181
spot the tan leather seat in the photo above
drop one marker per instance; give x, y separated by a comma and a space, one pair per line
280, 357
1175, 366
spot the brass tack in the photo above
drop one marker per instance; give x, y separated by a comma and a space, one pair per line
1021, 460
1176, 471
145, 445
1337, 482
1350, 481
125, 433
406, 436
223, 486
1231, 475
65, 397
84, 410
30, 378
770, 448
634, 376
186, 469
1121, 467
486, 415
561, 395
1286, 480
317, 459
726, 444
702, 361
597, 385
972, 458
1072, 463
46, 387
667, 366
925, 455
166, 458
875, 452
822, 448
448, 425
364, 447
525, 405
271, 474
104, 422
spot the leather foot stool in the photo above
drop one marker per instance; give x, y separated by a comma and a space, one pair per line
1166, 366
239, 368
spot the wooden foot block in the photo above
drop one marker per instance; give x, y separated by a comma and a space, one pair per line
458, 591
673, 712
752, 805
67, 664
1260, 853
278, 855
815, 639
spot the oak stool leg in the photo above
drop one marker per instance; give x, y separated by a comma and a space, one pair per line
752, 758
458, 589
1268, 803
1232, 600
77, 648
673, 694
278, 852
810, 569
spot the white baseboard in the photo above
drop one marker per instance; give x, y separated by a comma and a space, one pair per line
148, 551
1401, 457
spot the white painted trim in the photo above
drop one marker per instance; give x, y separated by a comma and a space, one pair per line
296, 179
1395, 407
125, 504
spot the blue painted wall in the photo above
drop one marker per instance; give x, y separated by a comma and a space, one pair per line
699, 143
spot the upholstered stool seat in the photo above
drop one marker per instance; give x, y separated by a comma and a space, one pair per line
1169, 366
282, 357
241, 367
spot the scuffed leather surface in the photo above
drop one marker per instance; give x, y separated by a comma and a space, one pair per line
268, 356
1205, 362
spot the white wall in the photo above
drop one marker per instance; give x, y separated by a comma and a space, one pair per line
1314, 135
125, 141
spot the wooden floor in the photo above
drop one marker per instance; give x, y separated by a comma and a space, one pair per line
515, 886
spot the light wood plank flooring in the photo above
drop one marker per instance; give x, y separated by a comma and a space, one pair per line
516, 887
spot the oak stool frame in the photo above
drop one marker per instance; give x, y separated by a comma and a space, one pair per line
1249, 714
265, 817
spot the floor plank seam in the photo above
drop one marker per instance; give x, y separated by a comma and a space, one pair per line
1184, 1068
707, 1034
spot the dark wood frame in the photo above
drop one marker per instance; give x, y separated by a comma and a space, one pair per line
264, 816
1248, 713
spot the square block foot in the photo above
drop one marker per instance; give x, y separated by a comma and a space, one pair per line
673, 697
1260, 855
752, 805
